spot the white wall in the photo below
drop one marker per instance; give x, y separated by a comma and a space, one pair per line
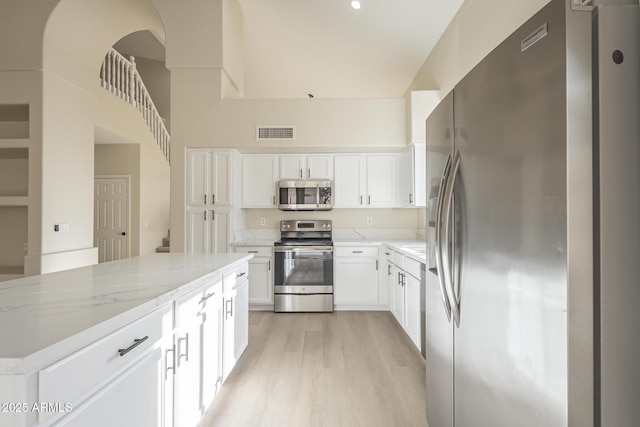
157, 80
139, 156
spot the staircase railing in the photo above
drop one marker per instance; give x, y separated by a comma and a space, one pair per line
119, 76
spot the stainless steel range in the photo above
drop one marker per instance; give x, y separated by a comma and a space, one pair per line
304, 267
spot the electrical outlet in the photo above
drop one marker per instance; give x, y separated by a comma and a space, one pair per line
63, 228
263, 221
369, 220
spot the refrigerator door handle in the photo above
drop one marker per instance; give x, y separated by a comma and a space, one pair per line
446, 260
438, 236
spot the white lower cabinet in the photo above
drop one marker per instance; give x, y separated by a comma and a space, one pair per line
398, 308
412, 308
132, 399
261, 274
357, 284
211, 333
194, 356
208, 231
99, 378
404, 284
236, 318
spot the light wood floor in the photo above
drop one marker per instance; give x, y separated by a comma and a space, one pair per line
325, 369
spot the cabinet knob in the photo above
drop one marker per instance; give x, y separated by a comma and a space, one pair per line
123, 233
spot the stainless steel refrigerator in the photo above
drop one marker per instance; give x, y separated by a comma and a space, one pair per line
533, 286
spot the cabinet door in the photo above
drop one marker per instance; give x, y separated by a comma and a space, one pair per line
261, 281
241, 319
199, 231
132, 399
187, 410
221, 179
198, 177
292, 167
211, 344
349, 180
398, 295
209, 177
259, 175
412, 308
408, 173
319, 167
208, 231
356, 280
391, 285
220, 221
382, 180
228, 333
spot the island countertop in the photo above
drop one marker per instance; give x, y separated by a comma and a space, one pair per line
47, 316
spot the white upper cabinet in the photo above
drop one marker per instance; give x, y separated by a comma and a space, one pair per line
350, 185
210, 180
259, 176
367, 180
382, 180
306, 167
414, 176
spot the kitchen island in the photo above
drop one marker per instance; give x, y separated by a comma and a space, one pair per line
72, 342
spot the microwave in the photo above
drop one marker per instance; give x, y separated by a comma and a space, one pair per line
305, 195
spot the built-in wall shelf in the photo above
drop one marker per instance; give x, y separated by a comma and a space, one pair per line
14, 121
11, 272
14, 176
14, 188
14, 143
14, 201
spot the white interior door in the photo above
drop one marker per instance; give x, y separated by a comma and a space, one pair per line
111, 218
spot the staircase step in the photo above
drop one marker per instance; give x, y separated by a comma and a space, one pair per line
162, 249
166, 241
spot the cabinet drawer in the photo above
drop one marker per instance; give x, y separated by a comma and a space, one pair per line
364, 251
256, 250
188, 306
412, 267
242, 272
80, 373
397, 258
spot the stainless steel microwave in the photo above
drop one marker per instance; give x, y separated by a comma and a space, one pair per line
305, 195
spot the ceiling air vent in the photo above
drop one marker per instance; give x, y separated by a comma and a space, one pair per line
267, 133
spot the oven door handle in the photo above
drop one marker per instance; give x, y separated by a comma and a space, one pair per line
303, 249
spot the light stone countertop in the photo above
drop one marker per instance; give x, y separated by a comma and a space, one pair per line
415, 249
48, 316
410, 248
254, 242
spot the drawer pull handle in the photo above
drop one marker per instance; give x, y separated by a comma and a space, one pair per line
206, 297
356, 252
253, 252
136, 342
241, 274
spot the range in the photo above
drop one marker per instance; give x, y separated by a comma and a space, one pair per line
304, 267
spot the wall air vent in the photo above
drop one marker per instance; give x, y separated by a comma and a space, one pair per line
269, 133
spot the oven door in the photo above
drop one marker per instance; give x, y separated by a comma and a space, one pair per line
303, 269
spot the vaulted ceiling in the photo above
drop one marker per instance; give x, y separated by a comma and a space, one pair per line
327, 48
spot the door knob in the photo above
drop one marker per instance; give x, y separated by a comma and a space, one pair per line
123, 233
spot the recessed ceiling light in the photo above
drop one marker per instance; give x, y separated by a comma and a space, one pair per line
355, 4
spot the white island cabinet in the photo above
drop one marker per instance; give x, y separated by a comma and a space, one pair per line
135, 342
